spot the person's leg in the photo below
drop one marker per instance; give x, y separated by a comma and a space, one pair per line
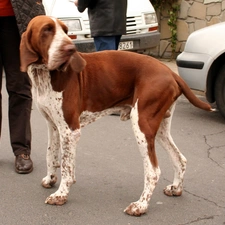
1, 68
106, 42
20, 99
117, 40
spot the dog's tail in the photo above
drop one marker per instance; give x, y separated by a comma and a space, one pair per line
191, 96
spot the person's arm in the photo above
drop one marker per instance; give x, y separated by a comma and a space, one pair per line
82, 4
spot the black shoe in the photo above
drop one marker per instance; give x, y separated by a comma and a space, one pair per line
23, 164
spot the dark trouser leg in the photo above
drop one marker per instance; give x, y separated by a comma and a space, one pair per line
1, 68
117, 40
18, 87
107, 42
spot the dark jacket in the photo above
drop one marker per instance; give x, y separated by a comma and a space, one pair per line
107, 17
25, 10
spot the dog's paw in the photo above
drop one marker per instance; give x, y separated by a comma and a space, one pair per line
124, 117
136, 209
171, 190
125, 114
55, 199
49, 181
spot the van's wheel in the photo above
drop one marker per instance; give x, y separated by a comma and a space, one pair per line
220, 91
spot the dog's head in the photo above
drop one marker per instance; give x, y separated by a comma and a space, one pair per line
46, 42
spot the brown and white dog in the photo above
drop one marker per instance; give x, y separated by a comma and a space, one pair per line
73, 89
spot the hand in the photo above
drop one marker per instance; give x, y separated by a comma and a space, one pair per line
76, 2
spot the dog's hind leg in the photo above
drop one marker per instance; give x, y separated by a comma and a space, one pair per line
151, 169
179, 161
52, 155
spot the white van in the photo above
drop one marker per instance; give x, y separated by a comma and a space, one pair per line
142, 26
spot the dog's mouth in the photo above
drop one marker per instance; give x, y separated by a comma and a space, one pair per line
62, 60
60, 66
63, 66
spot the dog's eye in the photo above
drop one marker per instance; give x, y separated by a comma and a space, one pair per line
48, 29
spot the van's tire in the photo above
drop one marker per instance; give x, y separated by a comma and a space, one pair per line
220, 91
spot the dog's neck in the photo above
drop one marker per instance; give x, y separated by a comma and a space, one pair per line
37, 66
40, 78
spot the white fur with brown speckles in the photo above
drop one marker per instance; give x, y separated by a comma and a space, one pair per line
60, 136
179, 161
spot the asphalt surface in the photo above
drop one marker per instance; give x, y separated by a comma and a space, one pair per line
110, 175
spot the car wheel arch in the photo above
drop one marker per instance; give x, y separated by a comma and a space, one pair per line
212, 76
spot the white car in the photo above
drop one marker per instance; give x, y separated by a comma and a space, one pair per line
202, 63
142, 25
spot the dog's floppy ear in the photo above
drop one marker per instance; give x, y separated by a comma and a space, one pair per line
27, 54
77, 62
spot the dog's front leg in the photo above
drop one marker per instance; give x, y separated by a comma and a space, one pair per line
52, 155
68, 141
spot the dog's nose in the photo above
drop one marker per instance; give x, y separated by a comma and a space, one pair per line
69, 49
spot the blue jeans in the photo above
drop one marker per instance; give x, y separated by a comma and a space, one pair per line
107, 42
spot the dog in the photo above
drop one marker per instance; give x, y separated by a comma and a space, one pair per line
72, 89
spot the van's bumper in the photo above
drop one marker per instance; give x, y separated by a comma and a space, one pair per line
140, 42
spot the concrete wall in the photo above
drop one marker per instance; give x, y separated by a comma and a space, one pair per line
192, 16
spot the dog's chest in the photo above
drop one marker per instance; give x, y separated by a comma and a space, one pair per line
46, 99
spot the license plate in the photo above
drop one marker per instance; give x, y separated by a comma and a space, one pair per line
126, 45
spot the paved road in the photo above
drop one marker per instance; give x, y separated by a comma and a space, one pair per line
110, 175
